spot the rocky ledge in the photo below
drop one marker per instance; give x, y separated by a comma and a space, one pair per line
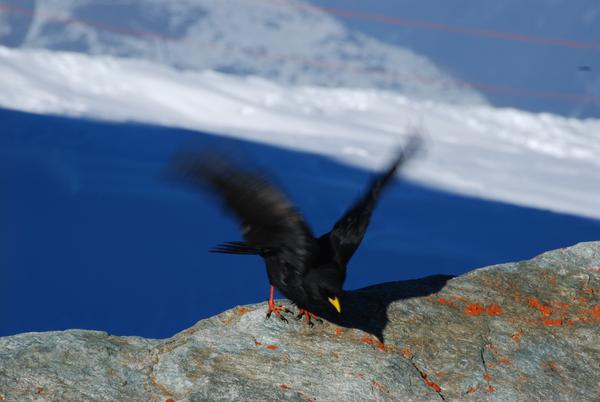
512, 332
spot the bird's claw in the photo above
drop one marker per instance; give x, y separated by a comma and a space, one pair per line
277, 310
309, 321
309, 317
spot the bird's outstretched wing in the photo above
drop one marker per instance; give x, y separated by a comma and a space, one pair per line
349, 230
269, 222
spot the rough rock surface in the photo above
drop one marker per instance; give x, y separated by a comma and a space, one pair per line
511, 332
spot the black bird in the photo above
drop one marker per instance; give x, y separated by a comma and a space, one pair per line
307, 270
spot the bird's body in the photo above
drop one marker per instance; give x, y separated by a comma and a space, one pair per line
302, 286
307, 270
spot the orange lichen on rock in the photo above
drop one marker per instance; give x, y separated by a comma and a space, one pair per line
406, 352
242, 310
494, 309
504, 361
338, 331
498, 357
551, 323
257, 343
284, 386
373, 342
445, 301
590, 291
471, 389
272, 347
542, 308
489, 388
516, 337
169, 400
379, 386
473, 309
551, 365
39, 390
430, 383
590, 316
545, 310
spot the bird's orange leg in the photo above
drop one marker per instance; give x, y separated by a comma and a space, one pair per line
308, 315
273, 308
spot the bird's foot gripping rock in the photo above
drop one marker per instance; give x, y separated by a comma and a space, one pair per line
278, 310
309, 316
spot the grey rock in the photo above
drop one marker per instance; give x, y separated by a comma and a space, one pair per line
527, 331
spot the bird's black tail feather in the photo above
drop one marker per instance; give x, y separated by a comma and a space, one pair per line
235, 247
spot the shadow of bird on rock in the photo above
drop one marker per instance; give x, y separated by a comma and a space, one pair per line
367, 308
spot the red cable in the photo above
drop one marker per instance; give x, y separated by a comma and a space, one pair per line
424, 24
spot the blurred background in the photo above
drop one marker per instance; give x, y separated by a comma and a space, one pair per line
96, 97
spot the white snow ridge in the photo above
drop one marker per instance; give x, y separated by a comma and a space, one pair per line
537, 160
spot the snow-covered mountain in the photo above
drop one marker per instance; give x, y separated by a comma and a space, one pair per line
526, 55
291, 43
530, 159
534, 45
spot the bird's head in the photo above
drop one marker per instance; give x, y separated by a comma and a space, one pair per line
324, 287
330, 291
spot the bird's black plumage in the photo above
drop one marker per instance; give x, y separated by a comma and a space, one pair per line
307, 270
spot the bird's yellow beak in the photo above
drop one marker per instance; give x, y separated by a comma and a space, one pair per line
335, 303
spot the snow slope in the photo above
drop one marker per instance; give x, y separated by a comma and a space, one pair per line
286, 41
536, 160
